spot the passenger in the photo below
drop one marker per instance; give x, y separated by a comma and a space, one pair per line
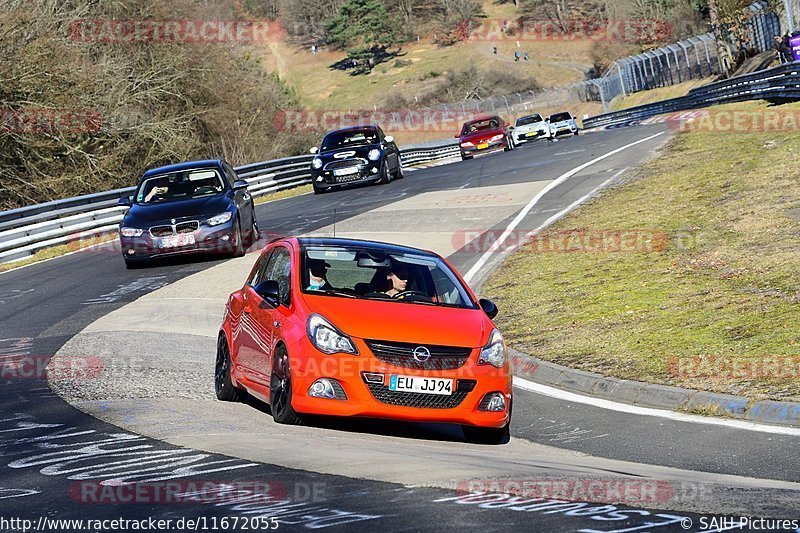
317, 275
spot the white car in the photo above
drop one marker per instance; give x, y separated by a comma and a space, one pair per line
529, 128
562, 124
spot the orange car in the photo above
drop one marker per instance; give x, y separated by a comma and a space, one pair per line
357, 328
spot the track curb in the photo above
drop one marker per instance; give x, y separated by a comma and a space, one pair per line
652, 395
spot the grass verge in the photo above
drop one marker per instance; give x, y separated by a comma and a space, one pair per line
708, 296
58, 251
286, 193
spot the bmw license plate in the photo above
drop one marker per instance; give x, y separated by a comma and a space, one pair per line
483, 146
532, 134
420, 384
345, 171
176, 241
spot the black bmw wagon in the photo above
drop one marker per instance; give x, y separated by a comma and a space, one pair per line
193, 207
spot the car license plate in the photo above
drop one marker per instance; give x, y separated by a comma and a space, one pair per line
483, 146
420, 384
531, 134
177, 240
345, 171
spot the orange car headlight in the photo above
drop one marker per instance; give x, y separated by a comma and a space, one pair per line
494, 353
327, 338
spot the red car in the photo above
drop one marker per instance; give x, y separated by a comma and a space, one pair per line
357, 328
484, 135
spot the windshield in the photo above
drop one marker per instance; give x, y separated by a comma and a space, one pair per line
344, 139
530, 119
479, 125
373, 274
559, 117
179, 186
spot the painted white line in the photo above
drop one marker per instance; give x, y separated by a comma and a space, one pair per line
559, 394
522, 214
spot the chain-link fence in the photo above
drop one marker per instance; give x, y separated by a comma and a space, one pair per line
694, 58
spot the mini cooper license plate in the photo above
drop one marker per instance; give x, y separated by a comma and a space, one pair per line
178, 240
345, 171
420, 384
483, 146
531, 134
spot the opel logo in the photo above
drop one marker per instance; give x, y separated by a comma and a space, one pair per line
421, 354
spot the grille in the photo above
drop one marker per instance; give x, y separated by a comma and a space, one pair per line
161, 231
187, 227
344, 163
416, 399
402, 354
345, 179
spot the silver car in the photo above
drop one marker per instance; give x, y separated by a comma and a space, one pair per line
562, 124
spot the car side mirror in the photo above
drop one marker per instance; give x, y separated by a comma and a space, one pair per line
240, 184
125, 201
388, 139
313, 150
456, 136
488, 307
269, 290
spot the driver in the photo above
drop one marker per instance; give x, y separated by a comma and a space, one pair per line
398, 278
160, 188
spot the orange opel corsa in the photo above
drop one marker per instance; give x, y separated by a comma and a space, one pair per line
344, 327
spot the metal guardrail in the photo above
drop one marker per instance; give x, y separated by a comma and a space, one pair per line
781, 82
26, 230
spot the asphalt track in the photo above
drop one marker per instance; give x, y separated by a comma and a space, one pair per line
45, 444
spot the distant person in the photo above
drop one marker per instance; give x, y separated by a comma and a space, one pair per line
516, 56
314, 49
525, 55
494, 50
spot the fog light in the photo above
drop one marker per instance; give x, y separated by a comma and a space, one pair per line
374, 170
327, 388
319, 178
226, 238
494, 401
131, 251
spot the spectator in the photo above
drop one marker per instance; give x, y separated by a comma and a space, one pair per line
526, 55
494, 50
516, 56
784, 54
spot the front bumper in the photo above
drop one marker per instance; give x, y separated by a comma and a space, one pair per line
219, 239
564, 130
530, 136
487, 148
367, 173
471, 383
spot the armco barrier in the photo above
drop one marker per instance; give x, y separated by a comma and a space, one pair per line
26, 230
777, 83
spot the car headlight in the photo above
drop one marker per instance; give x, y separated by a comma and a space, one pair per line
467, 144
374, 154
327, 338
316, 163
494, 353
497, 137
219, 219
131, 232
